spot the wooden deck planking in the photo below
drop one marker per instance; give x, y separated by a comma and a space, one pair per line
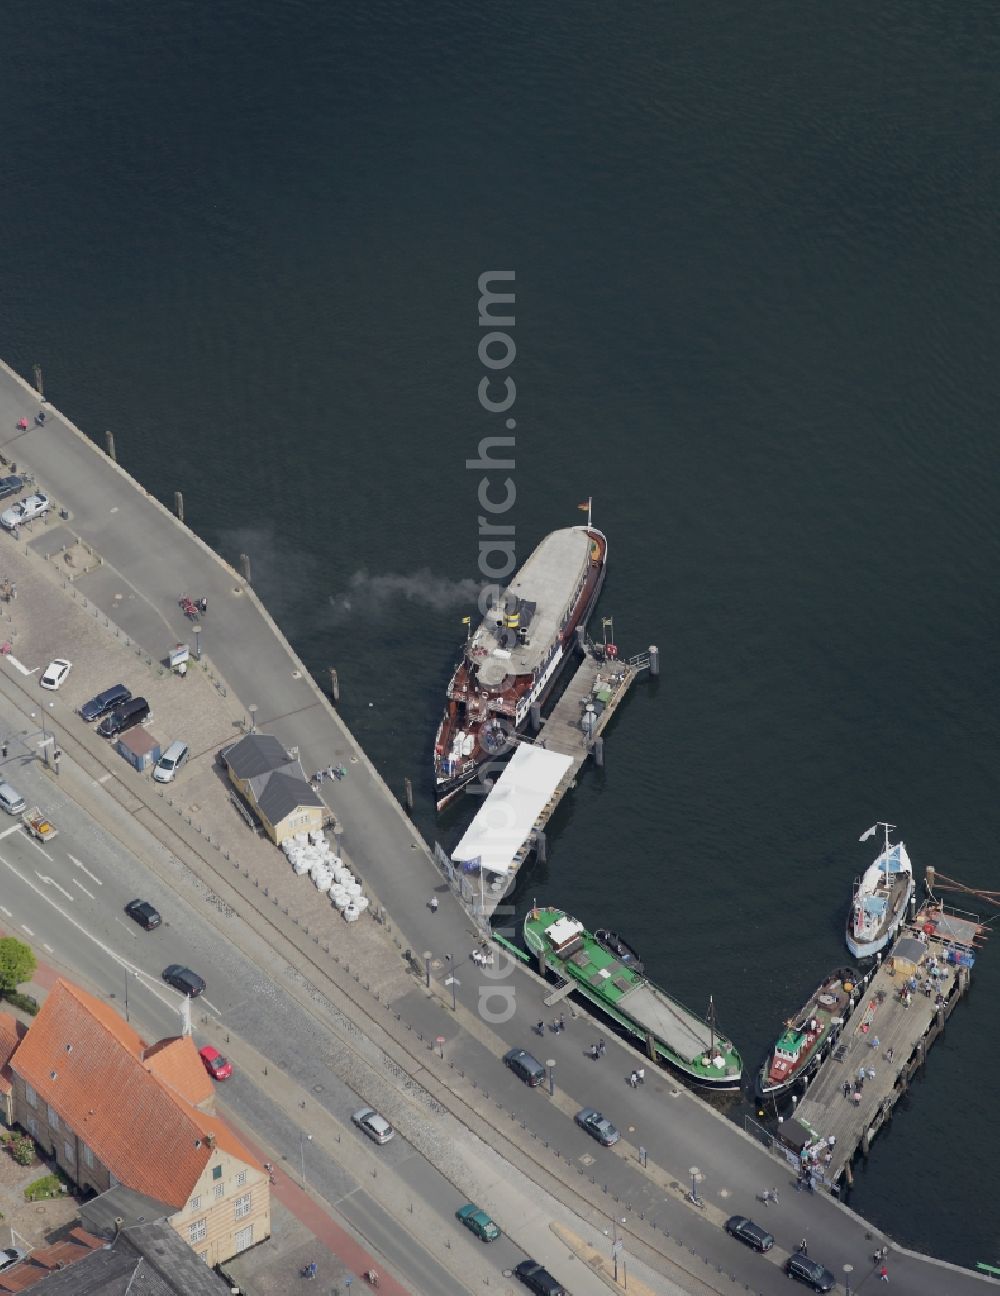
824, 1110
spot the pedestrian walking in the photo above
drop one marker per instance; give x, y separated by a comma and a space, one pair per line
861, 1072
432, 904
3, 750
633, 1079
888, 1055
562, 1021
595, 1052
871, 1073
873, 1042
602, 1048
55, 759
847, 1088
883, 1274
640, 1075
803, 1247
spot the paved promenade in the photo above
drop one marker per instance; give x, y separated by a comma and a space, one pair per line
137, 585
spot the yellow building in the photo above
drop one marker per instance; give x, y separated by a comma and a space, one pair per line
273, 785
116, 1113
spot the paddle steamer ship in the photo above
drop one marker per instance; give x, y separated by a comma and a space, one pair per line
514, 658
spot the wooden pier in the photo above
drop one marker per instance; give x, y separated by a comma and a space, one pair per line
884, 1043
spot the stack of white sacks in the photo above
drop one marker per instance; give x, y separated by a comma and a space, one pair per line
311, 853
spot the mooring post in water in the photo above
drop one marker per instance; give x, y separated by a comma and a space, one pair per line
334, 685
179, 505
39, 385
599, 752
654, 661
109, 438
541, 846
408, 795
536, 716
245, 564
650, 1047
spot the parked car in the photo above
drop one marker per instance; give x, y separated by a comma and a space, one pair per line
170, 762
10, 1256
217, 1066
10, 486
526, 1066
810, 1272
55, 673
375, 1126
11, 800
478, 1221
184, 980
597, 1126
25, 510
124, 717
537, 1279
142, 912
105, 702
745, 1230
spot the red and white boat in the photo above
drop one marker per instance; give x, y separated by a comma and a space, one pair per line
514, 658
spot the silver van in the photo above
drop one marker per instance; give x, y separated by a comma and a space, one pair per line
11, 800
170, 762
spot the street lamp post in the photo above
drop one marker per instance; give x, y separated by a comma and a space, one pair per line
551, 1064
197, 641
617, 1249
303, 1140
848, 1270
252, 708
696, 1177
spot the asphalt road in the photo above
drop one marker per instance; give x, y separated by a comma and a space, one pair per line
676, 1131
67, 897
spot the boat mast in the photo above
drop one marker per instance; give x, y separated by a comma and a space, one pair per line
885, 853
711, 1023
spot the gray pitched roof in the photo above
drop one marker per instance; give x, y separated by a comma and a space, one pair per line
121, 1203
148, 1260
255, 754
284, 792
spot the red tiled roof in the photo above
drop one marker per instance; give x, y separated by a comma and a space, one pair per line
176, 1063
11, 1033
88, 1065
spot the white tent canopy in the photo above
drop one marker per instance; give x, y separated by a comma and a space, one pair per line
510, 811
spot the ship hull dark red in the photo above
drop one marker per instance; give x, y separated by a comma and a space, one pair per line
515, 658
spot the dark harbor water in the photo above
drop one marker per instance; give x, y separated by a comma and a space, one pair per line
757, 278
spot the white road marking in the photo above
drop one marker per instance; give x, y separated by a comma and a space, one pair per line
211, 1005
48, 948
6, 912
19, 666
52, 882
78, 883
27, 929
37, 846
12, 829
151, 984
104, 777
73, 860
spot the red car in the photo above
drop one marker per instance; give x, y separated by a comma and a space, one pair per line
218, 1067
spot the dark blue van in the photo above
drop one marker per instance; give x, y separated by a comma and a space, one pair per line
105, 702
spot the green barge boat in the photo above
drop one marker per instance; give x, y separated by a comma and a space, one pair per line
670, 1032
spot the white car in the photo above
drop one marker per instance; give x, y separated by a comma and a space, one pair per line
374, 1125
55, 673
25, 510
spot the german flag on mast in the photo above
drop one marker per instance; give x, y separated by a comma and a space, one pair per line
586, 508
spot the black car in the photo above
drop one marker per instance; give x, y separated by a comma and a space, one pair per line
142, 912
738, 1226
105, 702
123, 717
10, 486
810, 1272
523, 1064
537, 1279
184, 980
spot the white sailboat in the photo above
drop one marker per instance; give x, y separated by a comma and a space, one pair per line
880, 898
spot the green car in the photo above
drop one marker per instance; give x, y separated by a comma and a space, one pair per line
477, 1220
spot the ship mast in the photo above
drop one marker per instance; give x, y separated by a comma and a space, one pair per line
711, 1023
885, 854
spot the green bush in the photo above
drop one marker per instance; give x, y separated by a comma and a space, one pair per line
27, 1003
23, 1150
49, 1185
